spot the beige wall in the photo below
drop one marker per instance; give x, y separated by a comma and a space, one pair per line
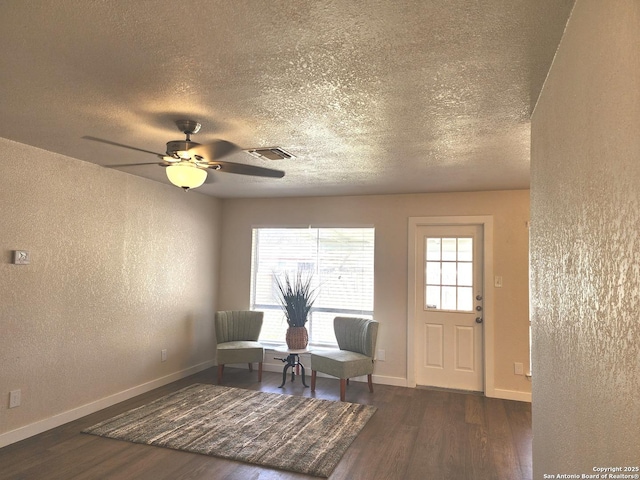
121, 267
585, 246
389, 214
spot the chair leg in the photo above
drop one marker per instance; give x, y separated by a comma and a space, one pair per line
313, 380
343, 388
259, 371
250, 367
370, 383
220, 372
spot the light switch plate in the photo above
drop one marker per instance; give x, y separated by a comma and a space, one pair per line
15, 398
21, 257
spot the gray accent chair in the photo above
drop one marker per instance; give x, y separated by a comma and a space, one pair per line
237, 335
357, 341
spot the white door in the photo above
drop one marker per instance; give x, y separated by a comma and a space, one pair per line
448, 310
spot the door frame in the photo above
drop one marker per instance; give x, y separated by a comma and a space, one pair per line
486, 223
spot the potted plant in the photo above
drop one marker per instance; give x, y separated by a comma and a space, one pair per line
296, 297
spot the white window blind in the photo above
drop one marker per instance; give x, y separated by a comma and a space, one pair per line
341, 263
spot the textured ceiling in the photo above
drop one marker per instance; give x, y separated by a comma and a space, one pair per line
372, 97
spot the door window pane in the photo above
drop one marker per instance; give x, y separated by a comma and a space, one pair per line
449, 301
433, 273
449, 273
433, 249
449, 247
433, 296
465, 299
465, 249
465, 274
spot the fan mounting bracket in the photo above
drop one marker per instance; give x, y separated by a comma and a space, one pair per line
188, 127
175, 146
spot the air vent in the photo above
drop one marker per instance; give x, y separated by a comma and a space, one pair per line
270, 153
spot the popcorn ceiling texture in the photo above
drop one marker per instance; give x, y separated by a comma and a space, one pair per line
372, 96
585, 246
121, 267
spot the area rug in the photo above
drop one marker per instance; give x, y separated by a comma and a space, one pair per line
292, 433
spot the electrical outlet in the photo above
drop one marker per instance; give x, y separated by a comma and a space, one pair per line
518, 368
15, 398
381, 355
163, 355
497, 282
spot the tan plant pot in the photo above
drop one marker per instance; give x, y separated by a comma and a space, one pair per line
297, 338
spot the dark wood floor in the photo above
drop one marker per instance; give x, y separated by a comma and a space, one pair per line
415, 434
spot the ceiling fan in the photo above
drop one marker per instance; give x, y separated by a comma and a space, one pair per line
187, 162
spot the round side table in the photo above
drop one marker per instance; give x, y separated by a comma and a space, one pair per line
292, 359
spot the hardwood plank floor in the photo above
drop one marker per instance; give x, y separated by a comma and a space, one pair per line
416, 434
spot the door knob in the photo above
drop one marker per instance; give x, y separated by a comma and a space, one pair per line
478, 319
478, 297
479, 308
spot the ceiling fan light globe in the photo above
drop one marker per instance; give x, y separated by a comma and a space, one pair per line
186, 176
184, 154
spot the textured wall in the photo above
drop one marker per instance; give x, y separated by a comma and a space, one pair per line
121, 267
585, 246
389, 214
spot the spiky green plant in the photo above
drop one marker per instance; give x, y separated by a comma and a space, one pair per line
296, 297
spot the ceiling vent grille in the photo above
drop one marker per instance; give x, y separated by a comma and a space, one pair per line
270, 153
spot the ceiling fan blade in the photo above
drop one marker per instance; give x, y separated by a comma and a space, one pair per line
242, 169
162, 164
215, 150
115, 144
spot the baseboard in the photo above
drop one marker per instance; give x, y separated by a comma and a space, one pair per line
41, 426
384, 380
270, 366
511, 395
379, 379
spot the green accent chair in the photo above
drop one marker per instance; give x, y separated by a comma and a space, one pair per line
357, 341
237, 335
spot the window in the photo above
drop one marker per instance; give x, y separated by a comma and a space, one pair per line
449, 273
341, 261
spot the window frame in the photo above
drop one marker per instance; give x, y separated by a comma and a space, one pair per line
315, 309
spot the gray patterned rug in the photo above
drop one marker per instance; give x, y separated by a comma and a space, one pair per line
298, 434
